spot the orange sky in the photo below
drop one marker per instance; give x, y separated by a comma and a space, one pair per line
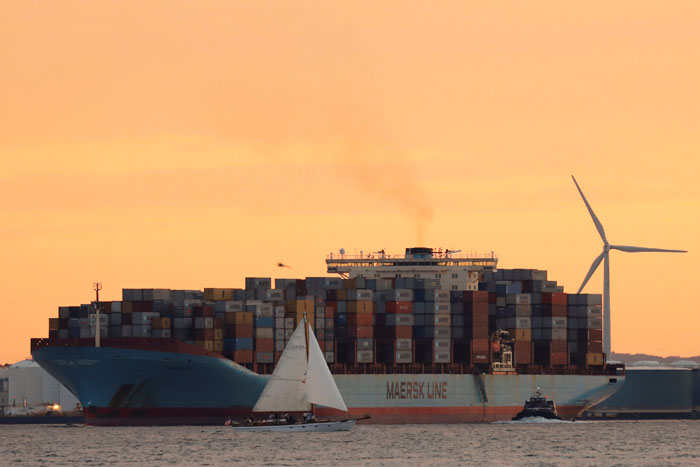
190, 144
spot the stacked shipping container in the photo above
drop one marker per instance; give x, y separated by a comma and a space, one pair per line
362, 321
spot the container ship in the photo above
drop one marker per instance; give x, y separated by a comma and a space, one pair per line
430, 336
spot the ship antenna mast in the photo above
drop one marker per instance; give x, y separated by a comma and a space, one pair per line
97, 286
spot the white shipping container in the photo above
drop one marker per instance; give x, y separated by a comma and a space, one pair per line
404, 356
524, 323
288, 334
264, 333
320, 323
279, 334
279, 345
289, 324
274, 295
442, 357
104, 319
404, 344
437, 307
523, 299
404, 320
365, 344
441, 345
442, 319
558, 322
559, 334
264, 310
594, 323
279, 311
443, 332
279, 323
233, 306
330, 356
594, 311
365, 356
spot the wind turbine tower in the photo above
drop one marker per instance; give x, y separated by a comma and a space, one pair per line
605, 255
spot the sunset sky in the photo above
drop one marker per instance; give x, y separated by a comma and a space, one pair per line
184, 144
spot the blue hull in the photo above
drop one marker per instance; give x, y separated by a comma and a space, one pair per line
132, 386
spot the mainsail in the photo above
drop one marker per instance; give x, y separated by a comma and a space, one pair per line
299, 381
285, 389
320, 385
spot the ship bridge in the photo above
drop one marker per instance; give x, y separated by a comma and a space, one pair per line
417, 262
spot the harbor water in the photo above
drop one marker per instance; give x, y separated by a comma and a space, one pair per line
533, 442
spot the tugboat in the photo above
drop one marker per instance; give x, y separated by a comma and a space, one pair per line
538, 406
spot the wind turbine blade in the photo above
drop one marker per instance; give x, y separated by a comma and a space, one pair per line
639, 249
594, 266
597, 223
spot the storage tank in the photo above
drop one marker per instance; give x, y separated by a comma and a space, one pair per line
31, 387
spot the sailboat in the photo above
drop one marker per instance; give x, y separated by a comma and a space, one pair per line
300, 380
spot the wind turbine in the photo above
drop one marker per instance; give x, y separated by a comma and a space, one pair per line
605, 255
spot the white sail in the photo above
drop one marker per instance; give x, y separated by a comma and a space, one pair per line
284, 391
320, 385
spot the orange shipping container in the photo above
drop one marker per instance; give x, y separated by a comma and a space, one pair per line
360, 319
523, 334
558, 358
218, 334
218, 294
360, 306
243, 317
265, 345
594, 359
218, 346
244, 330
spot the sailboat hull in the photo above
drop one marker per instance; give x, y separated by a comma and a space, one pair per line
340, 425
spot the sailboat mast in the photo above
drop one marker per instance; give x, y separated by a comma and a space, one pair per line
306, 335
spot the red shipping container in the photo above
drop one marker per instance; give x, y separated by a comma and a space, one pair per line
331, 308
361, 332
559, 311
480, 345
558, 346
523, 352
399, 307
204, 334
218, 323
492, 297
479, 320
476, 296
554, 298
404, 332
558, 358
264, 345
243, 356
594, 347
244, 330
126, 318
595, 335
480, 332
